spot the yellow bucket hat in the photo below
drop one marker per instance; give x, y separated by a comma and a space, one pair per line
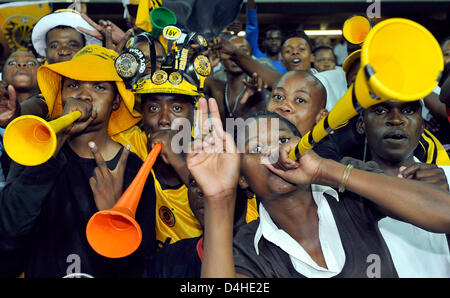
91, 63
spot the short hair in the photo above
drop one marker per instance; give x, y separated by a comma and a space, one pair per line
301, 34
273, 28
267, 114
323, 48
63, 27
312, 78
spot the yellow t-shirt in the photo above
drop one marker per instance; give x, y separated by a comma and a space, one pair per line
137, 139
174, 217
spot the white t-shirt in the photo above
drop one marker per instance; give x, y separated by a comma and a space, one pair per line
416, 252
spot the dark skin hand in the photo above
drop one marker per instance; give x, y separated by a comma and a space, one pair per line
107, 184
88, 114
10, 108
229, 51
9, 104
168, 156
216, 89
113, 37
424, 172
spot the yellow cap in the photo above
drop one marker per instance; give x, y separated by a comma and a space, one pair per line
91, 63
160, 83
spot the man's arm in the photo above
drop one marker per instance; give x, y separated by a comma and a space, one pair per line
10, 108
35, 105
421, 204
23, 195
251, 29
27, 187
249, 65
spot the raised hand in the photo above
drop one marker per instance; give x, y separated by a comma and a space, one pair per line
214, 161
254, 85
113, 37
226, 49
107, 185
9, 104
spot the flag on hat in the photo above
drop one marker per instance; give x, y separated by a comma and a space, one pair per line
143, 14
206, 17
17, 20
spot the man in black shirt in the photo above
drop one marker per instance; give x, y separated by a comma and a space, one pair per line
45, 208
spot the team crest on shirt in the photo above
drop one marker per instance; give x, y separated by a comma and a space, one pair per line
167, 216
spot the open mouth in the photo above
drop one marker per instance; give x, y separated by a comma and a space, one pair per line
296, 61
395, 135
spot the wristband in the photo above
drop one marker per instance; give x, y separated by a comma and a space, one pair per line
347, 171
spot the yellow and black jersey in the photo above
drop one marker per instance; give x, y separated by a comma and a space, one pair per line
174, 217
137, 139
430, 150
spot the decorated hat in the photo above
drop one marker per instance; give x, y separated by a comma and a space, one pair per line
91, 63
62, 17
183, 70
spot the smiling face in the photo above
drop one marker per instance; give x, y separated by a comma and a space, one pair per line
299, 97
393, 129
63, 44
160, 110
20, 71
265, 184
296, 54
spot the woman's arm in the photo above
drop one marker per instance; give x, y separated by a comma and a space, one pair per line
419, 203
214, 164
422, 204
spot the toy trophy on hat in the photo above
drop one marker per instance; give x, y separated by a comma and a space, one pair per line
183, 69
